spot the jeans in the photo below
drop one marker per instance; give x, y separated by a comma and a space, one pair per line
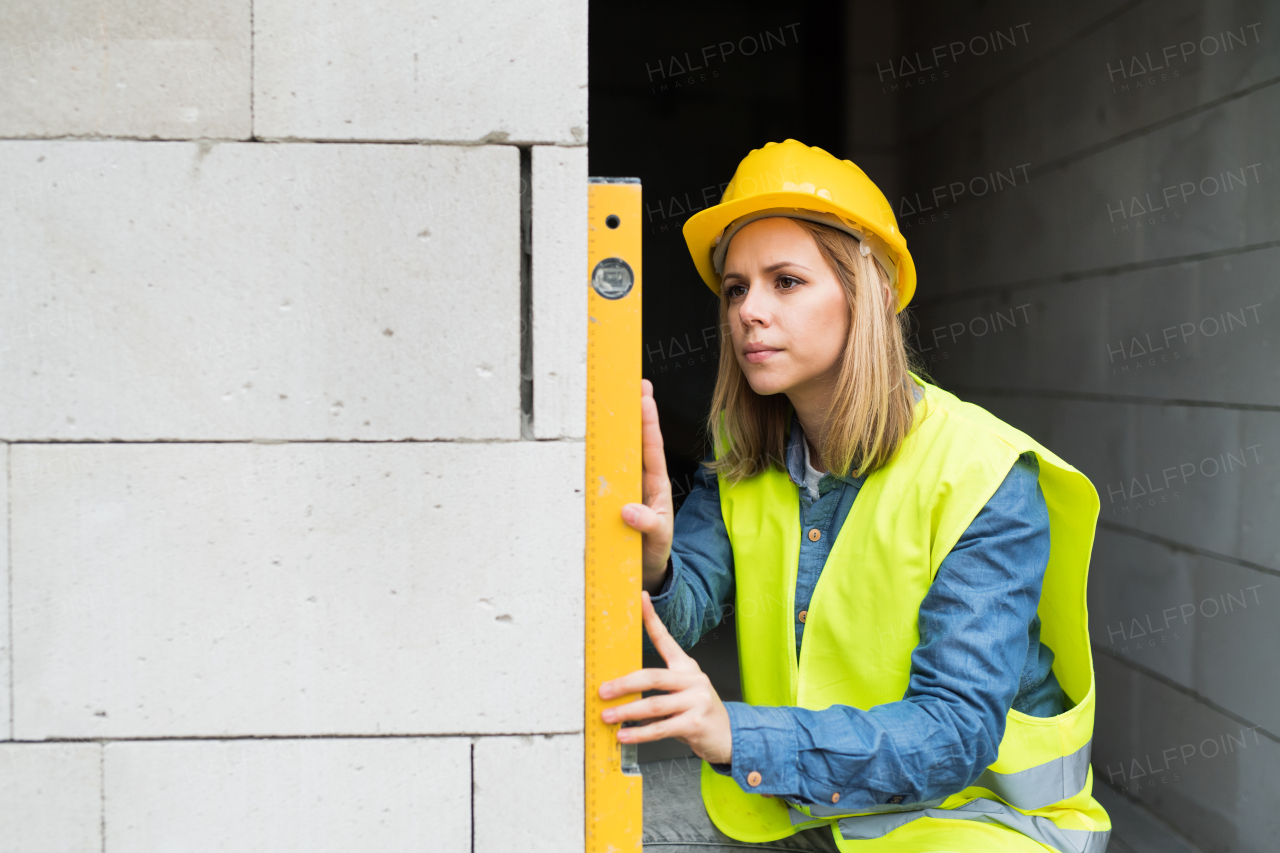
675, 820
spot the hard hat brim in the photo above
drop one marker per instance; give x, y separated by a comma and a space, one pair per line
701, 229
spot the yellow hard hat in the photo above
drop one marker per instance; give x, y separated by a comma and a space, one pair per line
802, 182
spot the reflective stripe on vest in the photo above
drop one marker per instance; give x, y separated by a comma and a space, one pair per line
798, 817
1034, 788
1042, 785
1038, 828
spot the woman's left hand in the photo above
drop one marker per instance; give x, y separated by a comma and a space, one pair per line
691, 711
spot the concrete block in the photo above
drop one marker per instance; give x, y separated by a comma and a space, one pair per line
1199, 476
962, 57
232, 291
1077, 85
52, 796
176, 70
1200, 184
6, 650
1132, 582
873, 47
289, 796
176, 589
1135, 828
1200, 331
492, 71
529, 794
1182, 454
1206, 774
1209, 625
559, 292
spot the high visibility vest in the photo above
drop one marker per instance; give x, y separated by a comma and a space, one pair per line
861, 628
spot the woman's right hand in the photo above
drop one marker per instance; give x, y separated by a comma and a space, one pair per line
654, 518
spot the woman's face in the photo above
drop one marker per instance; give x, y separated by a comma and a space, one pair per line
786, 303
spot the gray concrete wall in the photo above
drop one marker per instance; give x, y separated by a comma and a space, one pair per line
292, 558
1098, 242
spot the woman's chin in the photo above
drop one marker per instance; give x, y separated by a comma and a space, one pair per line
765, 385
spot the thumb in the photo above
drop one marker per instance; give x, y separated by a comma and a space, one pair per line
641, 517
661, 638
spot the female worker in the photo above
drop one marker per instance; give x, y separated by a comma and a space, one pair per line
907, 572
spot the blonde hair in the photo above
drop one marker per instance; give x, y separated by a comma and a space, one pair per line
873, 405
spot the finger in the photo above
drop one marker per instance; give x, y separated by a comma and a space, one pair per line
670, 680
656, 707
666, 645
676, 726
643, 680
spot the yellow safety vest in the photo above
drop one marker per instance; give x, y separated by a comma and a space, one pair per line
861, 629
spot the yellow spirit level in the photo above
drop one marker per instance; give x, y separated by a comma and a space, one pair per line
614, 808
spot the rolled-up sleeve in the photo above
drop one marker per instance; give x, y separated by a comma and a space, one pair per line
965, 673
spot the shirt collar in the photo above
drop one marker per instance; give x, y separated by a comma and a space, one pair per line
795, 456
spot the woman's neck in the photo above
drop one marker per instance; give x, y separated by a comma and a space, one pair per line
812, 406
811, 410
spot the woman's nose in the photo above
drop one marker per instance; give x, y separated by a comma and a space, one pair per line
753, 307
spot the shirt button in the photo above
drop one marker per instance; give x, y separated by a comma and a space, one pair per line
804, 614
753, 778
814, 534
835, 798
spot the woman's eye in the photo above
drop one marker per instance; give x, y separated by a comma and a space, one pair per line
783, 278
732, 290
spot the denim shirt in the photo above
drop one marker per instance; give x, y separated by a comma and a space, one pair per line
979, 652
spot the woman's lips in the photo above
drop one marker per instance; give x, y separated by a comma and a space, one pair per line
761, 355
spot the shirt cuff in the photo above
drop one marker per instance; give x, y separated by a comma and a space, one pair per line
664, 593
764, 742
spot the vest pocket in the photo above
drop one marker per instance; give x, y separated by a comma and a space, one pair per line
1042, 760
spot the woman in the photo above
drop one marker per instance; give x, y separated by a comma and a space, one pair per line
907, 572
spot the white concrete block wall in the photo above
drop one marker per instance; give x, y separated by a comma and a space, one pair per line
6, 649
286, 795
52, 797
559, 300
181, 590
287, 570
173, 70
528, 794
183, 290
489, 71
